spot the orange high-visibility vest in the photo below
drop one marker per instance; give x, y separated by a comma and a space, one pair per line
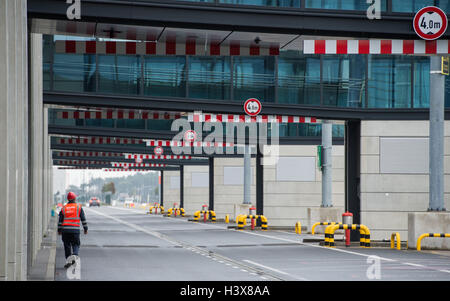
71, 212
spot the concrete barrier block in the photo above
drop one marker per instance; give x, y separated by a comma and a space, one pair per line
315, 215
429, 222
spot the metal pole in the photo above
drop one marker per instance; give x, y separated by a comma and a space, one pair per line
247, 175
437, 90
327, 144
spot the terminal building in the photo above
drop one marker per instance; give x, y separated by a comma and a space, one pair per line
162, 60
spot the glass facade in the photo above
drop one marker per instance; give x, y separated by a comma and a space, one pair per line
342, 4
209, 77
396, 6
346, 81
254, 77
165, 76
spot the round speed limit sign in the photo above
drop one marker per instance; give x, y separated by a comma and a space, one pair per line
158, 151
430, 23
252, 107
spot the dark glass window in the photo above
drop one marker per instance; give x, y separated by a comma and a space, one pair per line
421, 83
254, 77
165, 76
444, 5
119, 74
342, 4
209, 77
410, 6
389, 82
47, 60
295, 84
74, 72
130, 124
343, 79
279, 3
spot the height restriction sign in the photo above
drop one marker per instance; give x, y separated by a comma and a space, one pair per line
430, 23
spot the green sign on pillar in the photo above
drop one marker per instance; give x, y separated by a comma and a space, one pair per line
319, 156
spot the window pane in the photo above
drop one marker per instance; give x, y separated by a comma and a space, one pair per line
410, 6
389, 82
343, 80
444, 5
295, 84
130, 124
422, 83
209, 77
279, 3
165, 76
119, 74
74, 72
342, 4
254, 77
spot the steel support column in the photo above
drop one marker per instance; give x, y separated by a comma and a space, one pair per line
211, 183
437, 100
352, 172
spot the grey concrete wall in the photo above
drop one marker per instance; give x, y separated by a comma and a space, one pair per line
171, 195
388, 197
227, 196
194, 197
286, 202
428, 222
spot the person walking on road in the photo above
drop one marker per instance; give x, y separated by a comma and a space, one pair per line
71, 217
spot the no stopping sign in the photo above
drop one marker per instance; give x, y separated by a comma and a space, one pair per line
430, 23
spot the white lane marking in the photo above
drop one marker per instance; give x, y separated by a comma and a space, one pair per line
414, 264
444, 271
273, 269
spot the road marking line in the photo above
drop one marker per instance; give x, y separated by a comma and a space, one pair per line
273, 269
414, 264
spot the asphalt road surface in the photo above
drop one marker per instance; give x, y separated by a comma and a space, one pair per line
127, 244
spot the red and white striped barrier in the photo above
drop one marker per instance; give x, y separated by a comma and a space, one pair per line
232, 118
98, 140
87, 154
188, 144
154, 157
375, 46
124, 169
79, 167
126, 165
80, 162
190, 47
118, 114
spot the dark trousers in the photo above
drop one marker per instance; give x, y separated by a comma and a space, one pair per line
71, 243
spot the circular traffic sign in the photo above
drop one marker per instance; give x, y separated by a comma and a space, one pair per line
252, 107
430, 23
190, 136
138, 160
158, 151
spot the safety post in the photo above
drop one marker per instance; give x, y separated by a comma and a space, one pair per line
205, 212
298, 228
241, 221
313, 228
419, 240
395, 236
227, 219
175, 209
363, 230
252, 212
347, 218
